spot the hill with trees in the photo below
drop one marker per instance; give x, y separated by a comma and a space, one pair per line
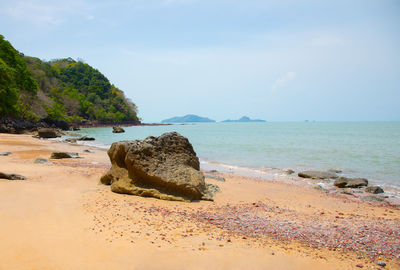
61, 89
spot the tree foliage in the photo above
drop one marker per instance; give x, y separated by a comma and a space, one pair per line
60, 89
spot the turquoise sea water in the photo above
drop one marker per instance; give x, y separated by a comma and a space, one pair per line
363, 149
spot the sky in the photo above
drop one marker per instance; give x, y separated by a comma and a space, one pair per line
278, 60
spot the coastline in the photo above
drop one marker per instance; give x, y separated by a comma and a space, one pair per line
60, 218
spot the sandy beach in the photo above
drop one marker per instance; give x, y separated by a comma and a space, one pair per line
61, 218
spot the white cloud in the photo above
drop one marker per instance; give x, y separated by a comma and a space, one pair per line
43, 12
283, 80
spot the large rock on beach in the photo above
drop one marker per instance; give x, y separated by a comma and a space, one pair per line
61, 155
12, 176
345, 182
118, 130
317, 175
48, 133
164, 167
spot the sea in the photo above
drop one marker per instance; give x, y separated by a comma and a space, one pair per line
359, 149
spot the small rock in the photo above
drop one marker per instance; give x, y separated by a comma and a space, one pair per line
60, 155
87, 151
118, 130
374, 190
335, 171
360, 265
85, 138
288, 171
345, 182
70, 140
12, 176
47, 133
214, 177
75, 128
380, 263
213, 171
5, 154
317, 175
42, 161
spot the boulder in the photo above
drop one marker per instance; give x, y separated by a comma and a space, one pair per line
5, 153
42, 161
12, 176
288, 171
164, 167
374, 190
118, 130
48, 133
317, 175
60, 155
345, 182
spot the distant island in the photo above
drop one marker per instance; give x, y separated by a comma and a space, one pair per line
190, 118
244, 119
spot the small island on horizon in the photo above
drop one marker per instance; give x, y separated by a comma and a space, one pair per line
189, 118
243, 119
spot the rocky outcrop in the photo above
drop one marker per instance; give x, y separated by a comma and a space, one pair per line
345, 182
317, 175
48, 133
118, 130
164, 167
19, 126
12, 176
61, 155
374, 190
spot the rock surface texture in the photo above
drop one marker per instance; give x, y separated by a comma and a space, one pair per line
317, 175
164, 167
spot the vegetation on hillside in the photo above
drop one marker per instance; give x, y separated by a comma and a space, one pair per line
62, 89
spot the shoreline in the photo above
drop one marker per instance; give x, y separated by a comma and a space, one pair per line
252, 223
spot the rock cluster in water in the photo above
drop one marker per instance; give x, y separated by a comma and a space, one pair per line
164, 167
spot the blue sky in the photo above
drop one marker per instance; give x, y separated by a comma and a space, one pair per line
279, 60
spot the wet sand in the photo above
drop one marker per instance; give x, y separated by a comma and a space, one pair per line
61, 218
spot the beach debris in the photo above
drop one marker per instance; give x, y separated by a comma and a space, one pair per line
380, 263
12, 176
118, 130
164, 167
345, 182
317, 175
48, 133
42, 161
85, 138
61, 155
88, 151
213, 171
218, 178
5, 153
359, 265
374, 190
